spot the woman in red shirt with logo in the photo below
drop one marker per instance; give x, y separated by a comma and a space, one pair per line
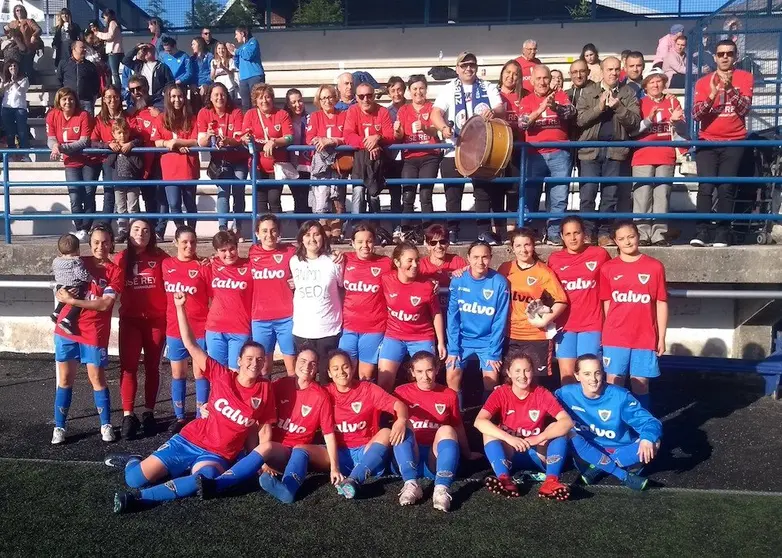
512, 92
439, 265
142, 325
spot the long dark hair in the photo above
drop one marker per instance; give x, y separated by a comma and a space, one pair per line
288, 107
201, 45
587, 48
19, 70
181, 122
301, 251
229, 103
518, 89
110, 15
151, 248
528, 233
104, 107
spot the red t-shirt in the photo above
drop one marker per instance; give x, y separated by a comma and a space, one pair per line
101, 133
359, 125
441, 274
633, 289
176, 166
185, 277
231, 290
660, 130
364, 306
413, 125
229, 125
301, 412
357, 412
234, 412
94, 326
522, 417
144, 295
549, 126
526, 71
272, 295
69, 130
429, 410
722, 123
320, 125
277, 125
411, 308
512, 105
580, 275
146, 127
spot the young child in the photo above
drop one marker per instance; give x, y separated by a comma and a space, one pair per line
127, 166
69, 272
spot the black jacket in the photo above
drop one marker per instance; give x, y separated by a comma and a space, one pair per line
161, 75
61, 42
82, 77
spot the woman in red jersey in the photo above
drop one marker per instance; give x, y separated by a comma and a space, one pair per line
635, 302
415, 321
301, 161
90, 345
68, 131
142, 325
242, 409
439, 265
512, 92
219, 125
272, 308
181, 274
270, 128
229, 280
364, 309
178, 134
524, 429
577, 266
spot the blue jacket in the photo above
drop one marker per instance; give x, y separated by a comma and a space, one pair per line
248, 59
181, 66
202, 69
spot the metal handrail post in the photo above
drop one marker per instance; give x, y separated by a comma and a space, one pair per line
6, 200
254, 186
522, 183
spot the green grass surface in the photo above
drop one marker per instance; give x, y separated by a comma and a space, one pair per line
65, 510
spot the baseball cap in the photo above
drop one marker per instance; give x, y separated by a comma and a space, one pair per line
654, 72
677, 28
464, 56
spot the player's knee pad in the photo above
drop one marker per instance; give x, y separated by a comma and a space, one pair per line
209, 471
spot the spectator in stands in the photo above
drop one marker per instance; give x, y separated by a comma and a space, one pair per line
211, 42
527, 61
201, 62
722, 100
94, 49
222, 69
124, 165
13, 47
142, 61
178, 62
300, 160
347, 94
675, 64
368, 128
557, 80
81, 75
247, 57
393, 159
65, 32
31, 35
733, 32
666, 44
14, 88
453, 107
634, 70
607, 111
155, 26
68, 130
623, 59
113, 38
590, 55
512, 93
579, 79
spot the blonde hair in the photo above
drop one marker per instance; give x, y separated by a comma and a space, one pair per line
325, 87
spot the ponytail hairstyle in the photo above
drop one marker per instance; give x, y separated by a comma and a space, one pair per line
525, 232
401, 248
151, 248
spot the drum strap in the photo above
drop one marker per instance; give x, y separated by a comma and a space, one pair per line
478, 97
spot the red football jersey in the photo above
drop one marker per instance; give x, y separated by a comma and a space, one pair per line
364, 306
429, 410
320, 125
512, 110
549, 126
301, 412
414, 122
441, 274
660, 130
359, 125
272, 295
580, 275
229, 125
101, 133
522, 417
526, 71
144, 295
356, 412
231, 290
276, 125
68, 130
633, 289
411, 308
146, 127
95, 327
175, 166
185, 277
722, 123
234, 411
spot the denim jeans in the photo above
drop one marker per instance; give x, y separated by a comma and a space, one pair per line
224, 194
554, 164
15, 126
82, 197
613, 197
178, 196
114, 62
246, 87
88, 106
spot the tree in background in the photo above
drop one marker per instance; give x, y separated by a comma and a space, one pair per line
242, 12
156, 8
318, 12
205, 13
582, 10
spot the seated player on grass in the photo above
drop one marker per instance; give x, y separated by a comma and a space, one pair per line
531, 433
613, 433
241, 404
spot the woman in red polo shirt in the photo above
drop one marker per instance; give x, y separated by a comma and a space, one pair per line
512, 92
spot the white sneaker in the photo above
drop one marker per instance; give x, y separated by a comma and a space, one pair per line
81, 235
411, 493
58, 436
441, 498
107, 433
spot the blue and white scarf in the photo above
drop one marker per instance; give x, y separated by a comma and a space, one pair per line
479, 104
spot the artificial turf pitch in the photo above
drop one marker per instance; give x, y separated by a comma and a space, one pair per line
720, 433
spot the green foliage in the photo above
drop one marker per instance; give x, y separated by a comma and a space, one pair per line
318, 12
242, 12
157, 8
582, 10
205, 13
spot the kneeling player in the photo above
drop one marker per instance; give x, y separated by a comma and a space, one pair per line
531, 433
241, 403
613, 433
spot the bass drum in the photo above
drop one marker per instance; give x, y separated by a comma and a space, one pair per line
484, 148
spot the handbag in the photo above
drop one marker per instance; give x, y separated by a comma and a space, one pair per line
220, 169
343, 164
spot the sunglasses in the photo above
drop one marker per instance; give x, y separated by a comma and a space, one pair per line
467, 65
725, 54
441, 242
365, 96
135, 89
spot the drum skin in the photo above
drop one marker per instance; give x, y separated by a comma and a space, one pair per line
484, 148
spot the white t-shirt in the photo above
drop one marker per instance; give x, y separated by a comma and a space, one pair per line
317, 305
445, 101
227, 78
15, 95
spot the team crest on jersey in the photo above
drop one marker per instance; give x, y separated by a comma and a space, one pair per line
102, 283
534, 414
152, 265
305, 410
76, 129
604, 414
415, 300
356, 406
591, 266
277, 127
439, 407
425, 115
242, 270
375, 271
488, 293
147, 123
643, 278
277, 258
192, 273
377, 127
531, 280
255, 402
606, 361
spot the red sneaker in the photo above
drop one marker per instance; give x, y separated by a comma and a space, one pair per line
502, 486
553, 489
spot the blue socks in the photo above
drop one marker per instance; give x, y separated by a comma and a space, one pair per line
555, 456
246, 468
447, 462
495, 453
404, 454
178, 392
645, 400
178, 488
134, 477
202, 394
295, 472
596, 457
62, 402
371, 460
103, 405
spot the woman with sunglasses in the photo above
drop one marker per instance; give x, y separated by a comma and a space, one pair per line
439, 265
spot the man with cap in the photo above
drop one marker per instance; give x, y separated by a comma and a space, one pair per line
458, 100
667, 44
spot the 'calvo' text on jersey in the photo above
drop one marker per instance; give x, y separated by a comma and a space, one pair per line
268, 273
579, 284
631, 296
597, 431
224, 408
218, 283
179, 287
475, 308
291, 427
345, 427
523, 432
403, 316
361, 287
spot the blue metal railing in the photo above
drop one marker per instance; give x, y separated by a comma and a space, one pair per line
523, 181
